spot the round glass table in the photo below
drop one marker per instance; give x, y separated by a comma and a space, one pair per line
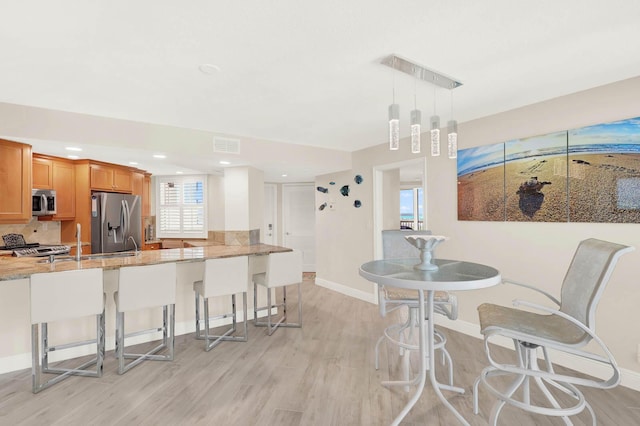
451, 275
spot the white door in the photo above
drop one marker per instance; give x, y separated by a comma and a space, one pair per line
299, 222
268, 232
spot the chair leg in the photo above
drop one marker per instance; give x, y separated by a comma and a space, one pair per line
211, 340
396, 334
528, 360
168, 340
40, 362
282, 321
197, 314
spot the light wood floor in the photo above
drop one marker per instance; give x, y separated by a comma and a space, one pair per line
322, 374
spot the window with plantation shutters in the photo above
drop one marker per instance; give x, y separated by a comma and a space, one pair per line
181, 207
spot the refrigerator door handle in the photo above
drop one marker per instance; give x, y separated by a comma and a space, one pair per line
103, 213
123, 220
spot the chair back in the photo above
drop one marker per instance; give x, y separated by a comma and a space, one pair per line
587, 276
284, 268
68, 294
226, 275
395, 246
141, 287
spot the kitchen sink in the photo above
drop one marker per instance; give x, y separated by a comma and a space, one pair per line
52, 259
109, 255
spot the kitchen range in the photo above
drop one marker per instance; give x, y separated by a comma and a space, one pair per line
20, 248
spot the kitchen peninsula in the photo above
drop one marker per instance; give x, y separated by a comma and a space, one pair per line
15, 350
12, 268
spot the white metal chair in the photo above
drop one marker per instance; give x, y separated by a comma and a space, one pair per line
58, 296
567, 328
395, 246
143, 287
222, 277
282, 269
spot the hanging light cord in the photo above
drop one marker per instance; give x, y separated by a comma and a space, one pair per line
434, 100
415, 96
452, 104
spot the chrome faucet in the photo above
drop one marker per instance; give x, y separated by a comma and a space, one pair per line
134, 242
78, 242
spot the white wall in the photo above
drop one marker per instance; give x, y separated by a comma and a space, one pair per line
215, 194
548, 246
244, 198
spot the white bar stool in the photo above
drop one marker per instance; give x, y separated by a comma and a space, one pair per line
222, 277
65, 295
142, 287
282, 269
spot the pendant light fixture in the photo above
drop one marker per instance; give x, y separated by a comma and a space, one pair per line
435, 129
394, 121
452, 134
394, 127
432, 77
416, 118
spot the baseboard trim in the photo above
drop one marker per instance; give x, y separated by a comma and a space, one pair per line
343, 289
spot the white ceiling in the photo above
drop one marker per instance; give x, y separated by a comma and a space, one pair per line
304, 72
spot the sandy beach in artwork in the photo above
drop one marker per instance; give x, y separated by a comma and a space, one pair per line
602, 188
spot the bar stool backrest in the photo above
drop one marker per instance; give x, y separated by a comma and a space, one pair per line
141, 287
395, 246
284, 269
66, 294
587, 276
224, 276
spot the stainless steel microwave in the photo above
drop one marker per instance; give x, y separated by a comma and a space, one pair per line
43, 202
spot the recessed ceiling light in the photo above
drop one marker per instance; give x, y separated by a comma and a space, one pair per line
179, 172
209, 69
225, 163
73, 148
73, 157
284, 175
159, 156
133, 163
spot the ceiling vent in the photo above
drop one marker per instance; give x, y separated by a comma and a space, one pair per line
226, 145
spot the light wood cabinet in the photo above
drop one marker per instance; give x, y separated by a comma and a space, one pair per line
151, 246
112, 179
146, 195
137, 184
15, 182
64, 183
42, 173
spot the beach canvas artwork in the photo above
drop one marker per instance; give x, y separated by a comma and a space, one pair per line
536, 178
604, 172
481, 183
590, 174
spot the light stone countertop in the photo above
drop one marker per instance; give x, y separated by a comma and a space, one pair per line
12, 268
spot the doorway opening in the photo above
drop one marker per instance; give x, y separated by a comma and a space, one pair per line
389, 182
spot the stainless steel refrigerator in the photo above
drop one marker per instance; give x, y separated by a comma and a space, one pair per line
116, 220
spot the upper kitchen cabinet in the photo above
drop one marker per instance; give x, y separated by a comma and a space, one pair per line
64, 182
57, 174
137, 183
15, 182
105, 177
146, 195
42, 173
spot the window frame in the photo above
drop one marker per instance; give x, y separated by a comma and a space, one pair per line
184, 207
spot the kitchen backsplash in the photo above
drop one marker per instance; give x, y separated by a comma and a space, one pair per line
43, 232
